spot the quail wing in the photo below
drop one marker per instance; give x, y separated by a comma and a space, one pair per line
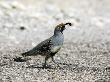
42, 48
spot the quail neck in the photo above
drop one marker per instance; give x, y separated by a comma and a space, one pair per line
58, 37
57, 40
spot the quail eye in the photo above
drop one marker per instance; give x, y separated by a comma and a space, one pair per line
59, 28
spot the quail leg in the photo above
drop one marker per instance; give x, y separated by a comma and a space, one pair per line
45, 63
54, 61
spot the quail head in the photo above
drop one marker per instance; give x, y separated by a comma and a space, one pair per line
50, 46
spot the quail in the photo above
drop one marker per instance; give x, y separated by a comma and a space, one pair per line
49, 47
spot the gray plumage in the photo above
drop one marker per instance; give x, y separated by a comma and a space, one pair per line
51, 46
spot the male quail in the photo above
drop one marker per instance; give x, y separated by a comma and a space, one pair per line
50, 46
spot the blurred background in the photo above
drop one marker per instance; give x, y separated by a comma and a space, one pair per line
25, 23
91, 20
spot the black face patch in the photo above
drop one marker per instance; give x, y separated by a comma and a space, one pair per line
62, 28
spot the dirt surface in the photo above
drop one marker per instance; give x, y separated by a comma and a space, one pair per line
85, 56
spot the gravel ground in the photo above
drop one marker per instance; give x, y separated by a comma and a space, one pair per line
85, 56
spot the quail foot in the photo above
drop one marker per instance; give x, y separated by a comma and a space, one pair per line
49, 47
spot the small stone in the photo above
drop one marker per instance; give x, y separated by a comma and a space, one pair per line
22, 28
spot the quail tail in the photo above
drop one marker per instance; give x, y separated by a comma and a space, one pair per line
25, 54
